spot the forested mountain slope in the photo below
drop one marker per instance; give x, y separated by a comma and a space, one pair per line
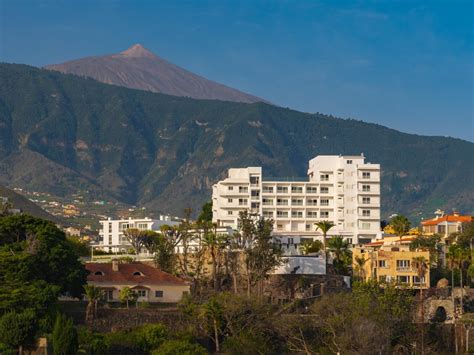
61, 134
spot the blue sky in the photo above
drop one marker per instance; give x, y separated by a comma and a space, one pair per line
407, 65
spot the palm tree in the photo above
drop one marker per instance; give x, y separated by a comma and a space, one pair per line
212, 312
339, 249
401, 225
420, 265
359, 266
324, 226
211, 243
93, 295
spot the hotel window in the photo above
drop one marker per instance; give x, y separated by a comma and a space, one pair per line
282, 202
312, 202
349, 162
242, 202
382, 263
416, 280
297, 202
324, 190
366, 213
282, 189
297, 189
158, 293
230, 188
308, 227
142, 226
311, 189
403, 279
268, 189
324, 214
243, 189
254, 180
267, 201
283, 214
255, 205
365, 226
297, 214
324, 177
403, 264
230, 213
279, 227
110, 227
365, 188
268, 214
324, 202
366, 200
365, 175
255, 193
312, 214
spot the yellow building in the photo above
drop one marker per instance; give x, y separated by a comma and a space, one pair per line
390, 259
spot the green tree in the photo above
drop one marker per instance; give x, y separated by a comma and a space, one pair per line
18, 329
206, 212
261, 254
151, 336
211, 313
64, 337
401, 225
126, 295
311, 246
136, 239
324, 226
36, 264
93, 295
359, 267
342, 256
165, 256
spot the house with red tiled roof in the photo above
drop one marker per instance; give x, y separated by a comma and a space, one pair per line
445, 224
149, 283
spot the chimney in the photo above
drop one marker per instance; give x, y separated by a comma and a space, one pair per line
115, 265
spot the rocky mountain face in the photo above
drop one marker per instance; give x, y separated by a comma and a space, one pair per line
138, 68
63, 134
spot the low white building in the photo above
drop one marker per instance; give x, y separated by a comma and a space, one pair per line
111, 232
342, 189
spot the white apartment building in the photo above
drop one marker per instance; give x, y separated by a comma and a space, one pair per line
111, 232
341, 189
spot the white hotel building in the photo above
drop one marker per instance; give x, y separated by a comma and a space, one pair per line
111, 232
341, 189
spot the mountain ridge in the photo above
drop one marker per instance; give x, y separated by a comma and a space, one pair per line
62, 133
139, 68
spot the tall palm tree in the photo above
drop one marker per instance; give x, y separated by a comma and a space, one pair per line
93, 295
211, 244
324, 226
359, 267
339, 249
420, 265
401, 225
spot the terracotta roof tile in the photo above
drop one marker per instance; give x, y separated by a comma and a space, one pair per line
447, 218
125, 275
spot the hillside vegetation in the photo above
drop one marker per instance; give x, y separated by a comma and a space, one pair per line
63, 134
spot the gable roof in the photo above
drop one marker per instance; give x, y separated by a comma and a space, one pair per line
447, 218
125, 274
